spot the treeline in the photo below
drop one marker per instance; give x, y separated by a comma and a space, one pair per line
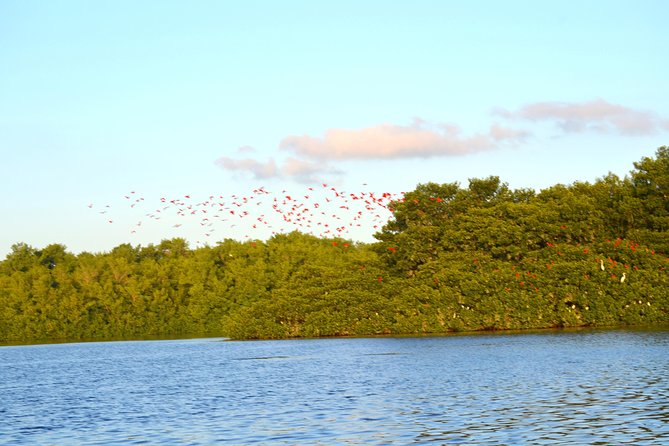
482, 257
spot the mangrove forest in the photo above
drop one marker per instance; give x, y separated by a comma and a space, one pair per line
451, 258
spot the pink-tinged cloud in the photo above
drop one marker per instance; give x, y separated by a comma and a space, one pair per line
246, 149
299, 170
258, 169
503, 134
418, 140
307, 171
598, 116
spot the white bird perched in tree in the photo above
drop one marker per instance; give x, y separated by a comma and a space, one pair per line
622, 279
601, 264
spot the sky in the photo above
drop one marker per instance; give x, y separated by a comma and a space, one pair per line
133, 122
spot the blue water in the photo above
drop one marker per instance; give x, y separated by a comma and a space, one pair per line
609, 387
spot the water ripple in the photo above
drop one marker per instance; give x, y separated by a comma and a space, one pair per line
557, 388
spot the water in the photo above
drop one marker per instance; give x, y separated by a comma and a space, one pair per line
552, 388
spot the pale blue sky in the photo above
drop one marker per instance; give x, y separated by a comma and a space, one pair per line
101, 98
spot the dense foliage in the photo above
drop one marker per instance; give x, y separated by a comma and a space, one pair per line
451, 259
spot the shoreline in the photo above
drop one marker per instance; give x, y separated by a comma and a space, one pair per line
222, 338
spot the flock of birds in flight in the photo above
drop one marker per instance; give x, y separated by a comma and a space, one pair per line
323, 211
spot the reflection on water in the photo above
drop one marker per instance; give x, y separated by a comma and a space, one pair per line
569, 388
